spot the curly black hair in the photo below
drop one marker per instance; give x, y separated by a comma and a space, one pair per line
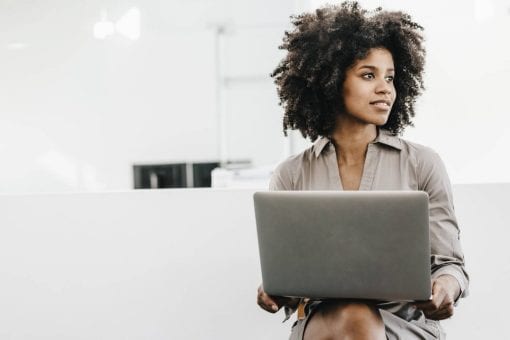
324, 44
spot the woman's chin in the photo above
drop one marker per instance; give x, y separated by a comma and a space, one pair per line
379, 122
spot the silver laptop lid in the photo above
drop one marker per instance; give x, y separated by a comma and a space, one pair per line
344, 244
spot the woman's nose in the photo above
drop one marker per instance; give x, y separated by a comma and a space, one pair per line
384, 87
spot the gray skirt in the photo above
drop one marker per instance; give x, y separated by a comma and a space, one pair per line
396, 327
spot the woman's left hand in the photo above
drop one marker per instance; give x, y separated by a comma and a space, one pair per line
444, 290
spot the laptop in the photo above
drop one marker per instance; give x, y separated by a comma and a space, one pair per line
344, 244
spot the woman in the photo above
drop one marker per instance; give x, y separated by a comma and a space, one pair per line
349, 83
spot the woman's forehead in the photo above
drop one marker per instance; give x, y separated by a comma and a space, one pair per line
376, 58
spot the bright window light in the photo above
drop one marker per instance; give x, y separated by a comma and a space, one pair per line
103, 29
129, 24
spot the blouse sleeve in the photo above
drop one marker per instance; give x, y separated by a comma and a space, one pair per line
281, 179
446, 252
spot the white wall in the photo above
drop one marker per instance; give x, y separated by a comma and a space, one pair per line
183, 264
76, 112
482, 214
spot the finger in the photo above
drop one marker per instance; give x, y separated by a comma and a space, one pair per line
264, 304
427, 307
268, 308
445, 310
442, 314
265, 301
447, 313
421, 303
431, 306
435, 287
438, 297
426, 304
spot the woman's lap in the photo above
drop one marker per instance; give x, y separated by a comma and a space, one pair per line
396, 328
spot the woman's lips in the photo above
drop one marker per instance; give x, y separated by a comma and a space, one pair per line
381, 105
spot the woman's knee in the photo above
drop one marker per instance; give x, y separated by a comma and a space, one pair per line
335, 318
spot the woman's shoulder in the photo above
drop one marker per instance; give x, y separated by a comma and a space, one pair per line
428, 163
296, 161
285, 173
416, 153
423, 154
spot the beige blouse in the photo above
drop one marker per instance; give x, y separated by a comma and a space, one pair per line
391, 163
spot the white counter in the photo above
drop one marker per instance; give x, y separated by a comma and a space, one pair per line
183, 264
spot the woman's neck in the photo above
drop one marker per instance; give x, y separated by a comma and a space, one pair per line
351, 141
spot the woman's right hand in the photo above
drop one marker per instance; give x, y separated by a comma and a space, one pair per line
271, 303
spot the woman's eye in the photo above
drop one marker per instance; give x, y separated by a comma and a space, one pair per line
368, 76
390, 78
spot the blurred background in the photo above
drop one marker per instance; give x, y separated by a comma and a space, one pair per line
116, 95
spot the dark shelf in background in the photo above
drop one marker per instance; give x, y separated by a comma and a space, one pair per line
173, 175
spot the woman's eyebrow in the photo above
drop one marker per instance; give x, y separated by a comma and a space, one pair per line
371, 67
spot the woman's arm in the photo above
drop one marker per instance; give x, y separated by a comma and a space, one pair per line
449, 277
281, 179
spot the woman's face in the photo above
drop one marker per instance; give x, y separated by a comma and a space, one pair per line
368, 89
